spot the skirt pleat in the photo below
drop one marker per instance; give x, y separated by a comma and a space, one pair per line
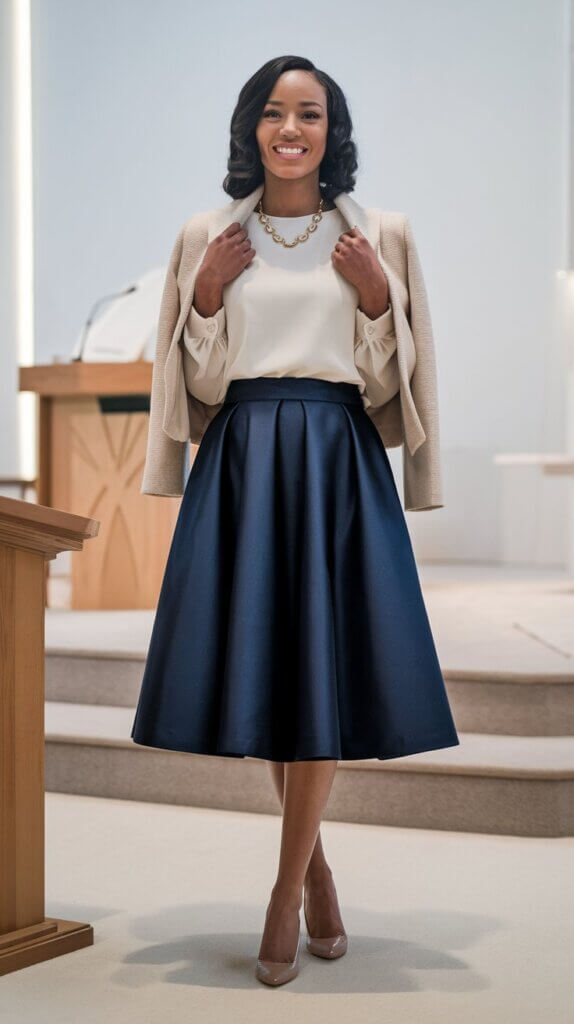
291, 623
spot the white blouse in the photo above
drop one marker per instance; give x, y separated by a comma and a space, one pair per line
291, 313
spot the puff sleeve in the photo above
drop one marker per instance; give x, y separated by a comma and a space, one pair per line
205, 353
374, 348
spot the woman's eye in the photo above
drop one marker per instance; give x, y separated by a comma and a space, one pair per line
311, 113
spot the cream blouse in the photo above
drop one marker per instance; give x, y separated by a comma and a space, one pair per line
291, 313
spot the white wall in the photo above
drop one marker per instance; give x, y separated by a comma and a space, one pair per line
460, 118
9, 454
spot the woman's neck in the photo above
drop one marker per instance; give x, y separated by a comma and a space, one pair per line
285, 202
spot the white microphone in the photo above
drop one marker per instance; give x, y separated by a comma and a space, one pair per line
95, 307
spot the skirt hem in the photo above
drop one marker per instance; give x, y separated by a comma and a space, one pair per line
416, 749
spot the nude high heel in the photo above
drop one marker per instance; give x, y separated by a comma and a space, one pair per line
273, 972
329, 948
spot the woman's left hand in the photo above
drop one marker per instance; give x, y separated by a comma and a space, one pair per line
355, 258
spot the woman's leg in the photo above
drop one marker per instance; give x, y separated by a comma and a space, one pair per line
321, 903
318, 866
306, 791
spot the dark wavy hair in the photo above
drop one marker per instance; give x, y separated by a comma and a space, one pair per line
246, 171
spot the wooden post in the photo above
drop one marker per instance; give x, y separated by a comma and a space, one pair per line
29, 535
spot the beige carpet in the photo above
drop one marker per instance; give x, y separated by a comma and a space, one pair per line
443, 927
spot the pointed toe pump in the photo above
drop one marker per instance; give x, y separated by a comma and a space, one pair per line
277, 972
272, 972
329, 948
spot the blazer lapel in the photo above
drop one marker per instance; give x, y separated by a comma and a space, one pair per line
236, 210
370, 222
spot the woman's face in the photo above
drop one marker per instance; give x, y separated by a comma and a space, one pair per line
295, 115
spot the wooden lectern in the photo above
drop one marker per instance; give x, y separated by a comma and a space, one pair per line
29, 534
92, 437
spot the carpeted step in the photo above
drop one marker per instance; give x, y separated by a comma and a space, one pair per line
510, 703
513, 785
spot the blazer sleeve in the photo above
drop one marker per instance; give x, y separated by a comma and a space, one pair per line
164, 464
205, 355
422, 484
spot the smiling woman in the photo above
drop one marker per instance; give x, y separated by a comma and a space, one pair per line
291, 624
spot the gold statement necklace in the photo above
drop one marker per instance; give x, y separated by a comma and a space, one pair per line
268, 226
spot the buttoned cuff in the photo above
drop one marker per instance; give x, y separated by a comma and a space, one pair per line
374, 330
206, 326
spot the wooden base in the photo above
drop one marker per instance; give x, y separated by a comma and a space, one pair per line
51, 938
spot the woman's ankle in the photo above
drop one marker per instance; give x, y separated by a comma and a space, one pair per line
288, 894
318, 874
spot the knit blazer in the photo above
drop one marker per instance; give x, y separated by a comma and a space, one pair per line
409, 418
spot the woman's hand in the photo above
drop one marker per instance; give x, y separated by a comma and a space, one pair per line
355, 258
225, 257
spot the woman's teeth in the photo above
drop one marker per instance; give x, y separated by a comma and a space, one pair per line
290, 152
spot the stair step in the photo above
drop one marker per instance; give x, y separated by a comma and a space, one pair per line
504, 703
93, 677
511, 785
508, 703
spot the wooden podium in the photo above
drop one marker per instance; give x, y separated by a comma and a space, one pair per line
92, 435
29, 535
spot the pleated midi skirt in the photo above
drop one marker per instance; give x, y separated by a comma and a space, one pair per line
290, 623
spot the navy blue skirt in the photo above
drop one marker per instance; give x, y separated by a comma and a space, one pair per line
290, 623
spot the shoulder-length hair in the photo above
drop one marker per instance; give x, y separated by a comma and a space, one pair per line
246, 171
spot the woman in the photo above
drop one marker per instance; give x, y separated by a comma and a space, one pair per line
291, 624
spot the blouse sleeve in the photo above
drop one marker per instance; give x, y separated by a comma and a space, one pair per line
205, 353
375, 345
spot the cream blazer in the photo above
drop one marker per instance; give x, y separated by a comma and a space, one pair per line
409, 418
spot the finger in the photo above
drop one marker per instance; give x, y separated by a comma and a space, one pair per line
351, 233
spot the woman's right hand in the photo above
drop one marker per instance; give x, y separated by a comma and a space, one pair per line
225, 257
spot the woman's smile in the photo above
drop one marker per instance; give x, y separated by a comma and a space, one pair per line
286, 152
